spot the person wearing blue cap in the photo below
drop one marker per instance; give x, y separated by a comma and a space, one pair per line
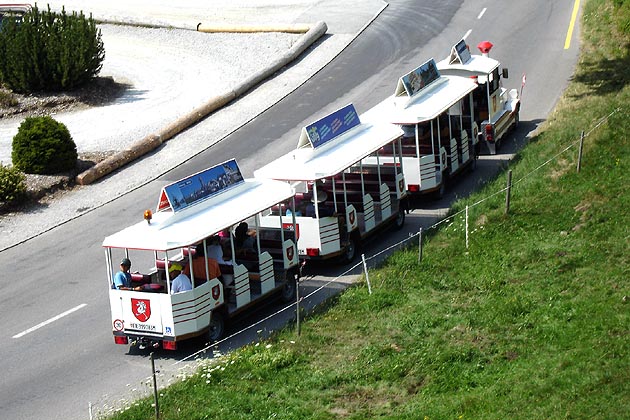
122, 279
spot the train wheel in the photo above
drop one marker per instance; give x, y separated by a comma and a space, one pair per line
217, 326
400, 219
289, 289
350, 252
473, 164
443, 187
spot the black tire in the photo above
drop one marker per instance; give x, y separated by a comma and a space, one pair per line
441, 192
473, 164
289, 289
350, 251
217, 326
400, 219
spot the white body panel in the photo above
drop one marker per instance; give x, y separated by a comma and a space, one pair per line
423, 172
154, 313
327, 236
503, 105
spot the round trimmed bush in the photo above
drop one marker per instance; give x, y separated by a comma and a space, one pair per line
43, 146
12, 184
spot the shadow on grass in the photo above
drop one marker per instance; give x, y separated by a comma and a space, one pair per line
604, 76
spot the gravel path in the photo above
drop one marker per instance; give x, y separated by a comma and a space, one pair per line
169, 70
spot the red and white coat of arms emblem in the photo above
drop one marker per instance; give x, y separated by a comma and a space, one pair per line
216, 292
141, 309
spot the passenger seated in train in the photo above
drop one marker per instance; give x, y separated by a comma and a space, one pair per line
299, 207
199, 266
244, 239
245, 246
180, 281
323, 208
215, 251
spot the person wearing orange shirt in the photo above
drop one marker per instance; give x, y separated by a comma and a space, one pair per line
199, 265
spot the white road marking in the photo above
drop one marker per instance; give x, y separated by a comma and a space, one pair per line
467, 34
482, 13
53, 319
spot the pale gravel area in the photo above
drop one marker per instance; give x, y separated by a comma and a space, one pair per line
169, 73
160, 73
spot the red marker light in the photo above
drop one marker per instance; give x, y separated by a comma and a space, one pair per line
485, 46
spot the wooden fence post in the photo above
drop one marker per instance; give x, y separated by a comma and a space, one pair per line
579, 162
466, 226
507, 192
367, 276
297, 307
420, 245
155, 390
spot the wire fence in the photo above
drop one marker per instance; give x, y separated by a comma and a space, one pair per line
409, 239
294, 306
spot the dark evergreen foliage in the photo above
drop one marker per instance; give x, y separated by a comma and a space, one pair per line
43, 146
12, 184
49, 51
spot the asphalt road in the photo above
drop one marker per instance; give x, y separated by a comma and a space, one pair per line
55, 371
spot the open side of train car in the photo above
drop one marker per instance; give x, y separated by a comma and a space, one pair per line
439, 140
341, 198
196, 218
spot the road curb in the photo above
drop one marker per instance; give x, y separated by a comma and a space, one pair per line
155, 140
291, 29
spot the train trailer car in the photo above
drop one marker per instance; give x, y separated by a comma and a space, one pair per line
440, 136
496, 110
339, 201
192, 233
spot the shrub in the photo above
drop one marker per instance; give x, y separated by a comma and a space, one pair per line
48, 51
43, 146
7, 99
12, 184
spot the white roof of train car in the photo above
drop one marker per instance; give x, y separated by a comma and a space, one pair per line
426, 105
308, 164
478, 65
169, 230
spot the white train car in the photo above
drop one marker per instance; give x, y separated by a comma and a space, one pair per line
191, 213
496, 110
440, 136
340, 201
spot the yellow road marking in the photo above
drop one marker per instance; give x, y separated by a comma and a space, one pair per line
567, 41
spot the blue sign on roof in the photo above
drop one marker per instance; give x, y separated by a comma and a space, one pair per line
462, 51
200, 186
418, 79
332, 125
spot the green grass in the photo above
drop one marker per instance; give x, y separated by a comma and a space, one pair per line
531, 322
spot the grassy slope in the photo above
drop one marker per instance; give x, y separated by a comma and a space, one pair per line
531, 322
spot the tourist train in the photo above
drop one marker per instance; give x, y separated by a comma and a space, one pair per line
218, 244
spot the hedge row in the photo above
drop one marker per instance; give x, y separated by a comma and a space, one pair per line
48, 51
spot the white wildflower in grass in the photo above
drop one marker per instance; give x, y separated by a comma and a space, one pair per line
268, 346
